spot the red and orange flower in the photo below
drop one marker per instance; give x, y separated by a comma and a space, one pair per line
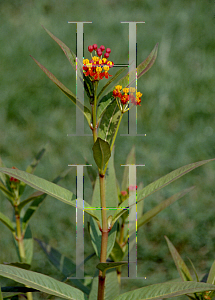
97, 68
128, 95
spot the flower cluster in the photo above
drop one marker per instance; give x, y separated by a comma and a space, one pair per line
97, 68
128, 95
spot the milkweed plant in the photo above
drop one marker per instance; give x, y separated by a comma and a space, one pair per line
111, 235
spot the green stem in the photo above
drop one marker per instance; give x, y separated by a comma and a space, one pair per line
21, 247
104, 242
94, 106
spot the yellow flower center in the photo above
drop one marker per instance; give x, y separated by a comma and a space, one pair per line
126, 91
106, 68
138, 94
86, 61
118, 87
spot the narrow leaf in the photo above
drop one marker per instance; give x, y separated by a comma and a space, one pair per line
211, 276
69, 54
19, 265
103, 104
33, 196
49, 188
37, 159
154, 211
109, 122
42, 283
101, 152
142, 68
166, 290
63, 264
6, 193
67, 92
194, 269
3, 177
6, 221
91, 173
38, 201
180, 264
96, 237
161, 183
117, 254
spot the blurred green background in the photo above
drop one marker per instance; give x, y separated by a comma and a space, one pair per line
176, 113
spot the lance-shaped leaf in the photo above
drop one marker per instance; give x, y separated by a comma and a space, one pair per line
180, 264
141, 69
103, 104
6, 221
42, 283
64, 264
91, 173
73, 59
211, 276
110, 265
49, 188
111, 80
158, 208
67, 92
111, 286
161, 183
37, 159
37, 201
101, 152
109, 122
3, 177
166, 290
6, 193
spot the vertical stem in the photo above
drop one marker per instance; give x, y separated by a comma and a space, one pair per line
94, 112
21, 245
103, 254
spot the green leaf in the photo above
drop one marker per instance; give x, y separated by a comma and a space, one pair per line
67, 92
211, 276
38, 201
33, 196
91, 173
96, 237
101, 152
3, 177
180, 264
129, 160
6, 221
29, 245
111, 80
109, 122
117, 254
166, 290
161, 183
42, 283
36, 160
69, 54
49, 188
103, 104
6, 193
158, 208
194, 269
63, 264
111, 286
110, 265
141, 69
